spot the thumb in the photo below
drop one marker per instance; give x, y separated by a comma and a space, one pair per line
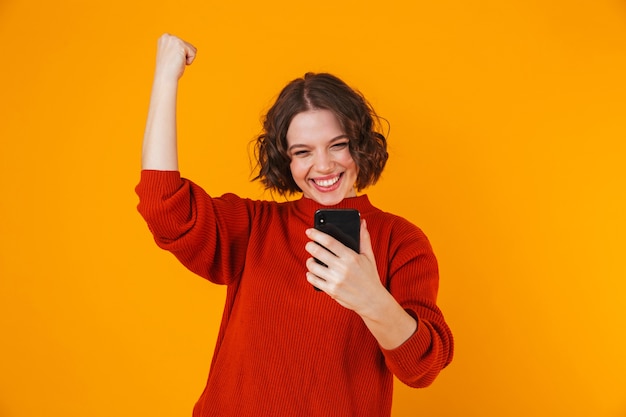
190, 53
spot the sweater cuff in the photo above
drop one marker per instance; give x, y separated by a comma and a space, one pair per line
405, 360
161, 183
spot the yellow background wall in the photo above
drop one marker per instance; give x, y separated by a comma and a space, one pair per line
507, 142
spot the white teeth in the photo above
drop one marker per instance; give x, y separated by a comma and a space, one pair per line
327, 183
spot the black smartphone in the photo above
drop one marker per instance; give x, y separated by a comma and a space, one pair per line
342, 224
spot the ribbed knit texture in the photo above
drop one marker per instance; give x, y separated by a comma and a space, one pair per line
283, 348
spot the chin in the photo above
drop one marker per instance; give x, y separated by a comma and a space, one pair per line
329, 200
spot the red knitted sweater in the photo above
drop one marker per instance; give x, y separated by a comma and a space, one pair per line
283, 348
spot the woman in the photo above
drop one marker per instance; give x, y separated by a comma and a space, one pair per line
284, 348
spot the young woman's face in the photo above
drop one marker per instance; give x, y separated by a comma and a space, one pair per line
321, 164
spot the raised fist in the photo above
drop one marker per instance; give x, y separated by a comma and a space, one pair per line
173, 54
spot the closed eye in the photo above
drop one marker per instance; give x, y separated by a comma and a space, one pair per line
300, 153
341, 145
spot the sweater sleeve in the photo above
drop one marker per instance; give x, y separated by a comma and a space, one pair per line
207, 235
414, 282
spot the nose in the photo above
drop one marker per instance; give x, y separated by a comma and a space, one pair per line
324, 162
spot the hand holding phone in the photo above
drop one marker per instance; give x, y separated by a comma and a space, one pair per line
342, 224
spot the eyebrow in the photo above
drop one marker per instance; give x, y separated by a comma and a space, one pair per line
298, 145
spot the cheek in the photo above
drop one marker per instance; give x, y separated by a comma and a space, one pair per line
296, 170
352, 167
348, 162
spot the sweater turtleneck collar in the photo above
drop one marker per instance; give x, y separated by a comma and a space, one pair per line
306, 207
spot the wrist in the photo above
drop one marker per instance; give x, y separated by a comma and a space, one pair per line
165, 80
378, 306
390, 324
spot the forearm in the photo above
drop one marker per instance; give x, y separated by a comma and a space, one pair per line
159, 143
388, 322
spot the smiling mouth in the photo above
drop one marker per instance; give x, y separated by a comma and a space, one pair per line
327, 182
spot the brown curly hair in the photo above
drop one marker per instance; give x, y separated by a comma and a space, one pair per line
356, 117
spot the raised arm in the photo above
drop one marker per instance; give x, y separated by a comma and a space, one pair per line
159, 142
